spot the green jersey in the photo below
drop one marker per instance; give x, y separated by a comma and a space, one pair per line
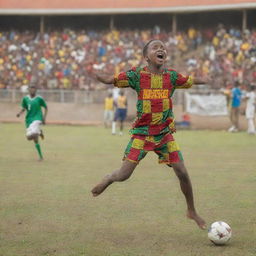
33, 108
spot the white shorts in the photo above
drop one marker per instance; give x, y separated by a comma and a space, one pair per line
108, 115
34, 128
250, 112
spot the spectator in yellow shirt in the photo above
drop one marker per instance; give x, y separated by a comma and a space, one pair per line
108, 110
121, 112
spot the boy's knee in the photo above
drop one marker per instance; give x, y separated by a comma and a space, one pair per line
183, 176
181, 172
29, 137
125, 176
124, 172
120, 175
32, 136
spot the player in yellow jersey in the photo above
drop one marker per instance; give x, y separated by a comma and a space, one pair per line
108, 110
121, 112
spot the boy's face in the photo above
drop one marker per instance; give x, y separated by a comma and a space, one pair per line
32, 90
156, 53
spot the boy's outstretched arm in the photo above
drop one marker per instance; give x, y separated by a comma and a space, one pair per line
199, 80
106, 79
22, 110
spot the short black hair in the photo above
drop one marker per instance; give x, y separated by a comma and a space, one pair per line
252, 87
145, 48
33, 85
236, 84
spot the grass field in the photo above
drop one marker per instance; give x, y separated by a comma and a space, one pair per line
47, 208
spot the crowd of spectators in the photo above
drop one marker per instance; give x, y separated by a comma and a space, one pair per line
228, 55
66, 59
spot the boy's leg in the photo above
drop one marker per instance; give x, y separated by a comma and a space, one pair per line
41, 134
114, 122
236, 117
121, 174
251, 127
232, 120
122, 118
121, 127
38, 148
107, 118
186, 187
114, 127
33, 132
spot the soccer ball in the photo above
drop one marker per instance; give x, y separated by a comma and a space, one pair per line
219, 233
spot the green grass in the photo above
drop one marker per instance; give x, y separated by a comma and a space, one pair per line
47, 208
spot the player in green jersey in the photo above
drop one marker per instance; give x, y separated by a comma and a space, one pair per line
33, 104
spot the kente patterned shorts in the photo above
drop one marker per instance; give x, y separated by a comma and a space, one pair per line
163, 145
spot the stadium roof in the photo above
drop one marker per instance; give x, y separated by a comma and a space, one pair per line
46, 7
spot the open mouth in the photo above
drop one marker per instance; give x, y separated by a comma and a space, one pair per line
160, 56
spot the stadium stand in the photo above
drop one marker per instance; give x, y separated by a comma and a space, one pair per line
59, 45
65, 59
60, 51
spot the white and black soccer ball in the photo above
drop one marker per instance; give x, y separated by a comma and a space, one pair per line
219, 233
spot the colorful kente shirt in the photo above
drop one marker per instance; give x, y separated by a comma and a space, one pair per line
154, 105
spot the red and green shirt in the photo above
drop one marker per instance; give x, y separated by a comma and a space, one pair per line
154, 105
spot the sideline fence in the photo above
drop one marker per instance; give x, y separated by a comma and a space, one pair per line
58, 96
87, 97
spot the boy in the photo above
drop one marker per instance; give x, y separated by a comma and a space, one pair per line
32, 103
250, 109
151, 130
236, 97
108, 110
121, 112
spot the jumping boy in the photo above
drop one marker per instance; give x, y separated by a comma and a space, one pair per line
33, 103
151, 130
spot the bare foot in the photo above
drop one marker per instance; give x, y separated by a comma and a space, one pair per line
199, 221
99, 188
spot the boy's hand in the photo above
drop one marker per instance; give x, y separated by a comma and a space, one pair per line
205, 80
106, 79
18, 115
